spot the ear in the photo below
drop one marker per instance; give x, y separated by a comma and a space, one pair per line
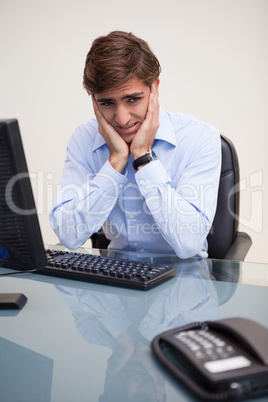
157, 82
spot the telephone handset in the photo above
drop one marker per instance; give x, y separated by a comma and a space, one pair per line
224, 360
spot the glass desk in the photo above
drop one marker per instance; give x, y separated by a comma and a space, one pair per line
77, 341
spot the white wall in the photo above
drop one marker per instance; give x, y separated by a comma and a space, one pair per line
214, 61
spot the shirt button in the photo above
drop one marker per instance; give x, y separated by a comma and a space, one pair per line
120, 185
141, 182
129, 184
142, 250
131, 216
135, 244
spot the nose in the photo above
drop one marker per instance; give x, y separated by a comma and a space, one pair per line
122, 115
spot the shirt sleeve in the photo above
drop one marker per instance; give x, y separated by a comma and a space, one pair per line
84, 198
184, 209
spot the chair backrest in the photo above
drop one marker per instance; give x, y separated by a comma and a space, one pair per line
225, 225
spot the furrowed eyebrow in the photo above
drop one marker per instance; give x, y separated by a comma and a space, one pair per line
134, 95
105, 100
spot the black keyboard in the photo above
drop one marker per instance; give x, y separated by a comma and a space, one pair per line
106, 270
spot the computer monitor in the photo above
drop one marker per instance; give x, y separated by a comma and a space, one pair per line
30, 371
20, 235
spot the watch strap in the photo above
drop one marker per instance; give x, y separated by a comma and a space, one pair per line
144, 159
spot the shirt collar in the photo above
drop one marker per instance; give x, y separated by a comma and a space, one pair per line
165, 131
99, 140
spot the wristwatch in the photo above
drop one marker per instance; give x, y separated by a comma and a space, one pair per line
142, 160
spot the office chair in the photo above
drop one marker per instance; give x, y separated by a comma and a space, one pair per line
224, 239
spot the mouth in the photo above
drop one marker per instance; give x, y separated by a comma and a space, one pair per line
130, 129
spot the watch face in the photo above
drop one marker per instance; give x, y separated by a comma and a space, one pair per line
150, 156
153, 155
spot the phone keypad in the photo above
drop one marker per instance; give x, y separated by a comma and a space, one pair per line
206, 345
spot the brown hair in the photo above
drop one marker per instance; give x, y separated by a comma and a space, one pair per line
116, 58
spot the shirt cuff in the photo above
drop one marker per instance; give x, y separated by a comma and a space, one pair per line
109, 179
152, 173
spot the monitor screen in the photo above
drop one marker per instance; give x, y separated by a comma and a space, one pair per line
25, 375
20, 236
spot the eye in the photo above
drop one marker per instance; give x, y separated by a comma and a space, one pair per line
108, 103
134, 99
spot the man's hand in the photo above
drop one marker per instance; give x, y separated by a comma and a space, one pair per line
119, 150
144, 138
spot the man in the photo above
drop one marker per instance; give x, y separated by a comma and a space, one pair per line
147, 177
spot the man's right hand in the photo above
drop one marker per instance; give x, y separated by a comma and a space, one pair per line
119, 150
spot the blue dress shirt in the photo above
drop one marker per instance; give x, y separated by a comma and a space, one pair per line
167, 206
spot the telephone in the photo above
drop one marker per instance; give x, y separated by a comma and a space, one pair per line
220, 360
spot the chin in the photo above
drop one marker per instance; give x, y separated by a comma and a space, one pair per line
128, 139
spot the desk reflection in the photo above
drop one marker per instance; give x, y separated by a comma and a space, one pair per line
126, 321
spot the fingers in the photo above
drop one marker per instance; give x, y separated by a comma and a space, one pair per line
144, 138
154, 89
104, 126
96, 109
153, 107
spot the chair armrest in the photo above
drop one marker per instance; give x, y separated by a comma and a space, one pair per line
99, 240
239, 248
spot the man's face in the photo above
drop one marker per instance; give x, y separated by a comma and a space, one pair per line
125, 107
